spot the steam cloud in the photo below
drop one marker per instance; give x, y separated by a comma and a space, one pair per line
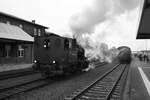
83, 26
100, 11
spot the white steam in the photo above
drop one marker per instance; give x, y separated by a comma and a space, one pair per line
100, 13
95, 50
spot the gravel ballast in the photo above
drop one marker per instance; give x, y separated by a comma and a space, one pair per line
61, 88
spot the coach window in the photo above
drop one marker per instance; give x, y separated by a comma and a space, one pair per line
20, 51
47, 43
66, 44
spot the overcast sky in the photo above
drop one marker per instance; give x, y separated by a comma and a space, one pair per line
114, 22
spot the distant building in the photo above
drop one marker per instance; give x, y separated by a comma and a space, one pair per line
16, 39
147, 52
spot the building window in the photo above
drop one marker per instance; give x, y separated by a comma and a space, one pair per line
2, 50
8, 22
20, 51
7, 50
39, 32
35, 31
20, 26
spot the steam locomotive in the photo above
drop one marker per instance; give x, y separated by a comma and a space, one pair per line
56, 55
124, 55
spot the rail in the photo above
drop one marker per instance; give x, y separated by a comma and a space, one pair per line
102, 88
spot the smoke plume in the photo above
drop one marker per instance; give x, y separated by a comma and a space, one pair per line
84, 24
99, 11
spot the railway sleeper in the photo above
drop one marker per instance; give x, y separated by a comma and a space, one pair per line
90, 98
117, 90
103, 83
96, 94
115, 97
100, 89
115, 93
105, 89
110, 79
104, 86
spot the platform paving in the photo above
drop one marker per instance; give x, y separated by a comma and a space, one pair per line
8, 67
138, 88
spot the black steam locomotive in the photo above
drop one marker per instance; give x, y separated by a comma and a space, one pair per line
124, 55
56, 55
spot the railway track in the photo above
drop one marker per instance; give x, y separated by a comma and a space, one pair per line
28, 71
6, 92
117, 91
17, 81
10, 91
108, 87
100, 64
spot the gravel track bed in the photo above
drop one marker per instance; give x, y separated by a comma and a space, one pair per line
19, 80
63, 87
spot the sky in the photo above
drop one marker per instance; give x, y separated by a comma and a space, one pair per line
113, 22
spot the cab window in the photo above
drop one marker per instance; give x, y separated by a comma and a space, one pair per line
66, 44
47, 43
57, 42
74, 43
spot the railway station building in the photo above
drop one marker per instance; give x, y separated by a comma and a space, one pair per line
17, 38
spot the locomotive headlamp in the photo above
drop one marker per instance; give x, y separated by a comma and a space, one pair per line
44, 46
53, 61
35, 61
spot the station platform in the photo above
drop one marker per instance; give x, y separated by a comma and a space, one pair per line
139, 88
9, 67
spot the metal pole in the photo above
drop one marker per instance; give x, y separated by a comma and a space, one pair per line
146, 45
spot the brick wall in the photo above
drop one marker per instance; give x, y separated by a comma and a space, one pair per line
27, 27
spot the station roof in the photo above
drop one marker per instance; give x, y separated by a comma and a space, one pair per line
144, 25
14, 17
14, 33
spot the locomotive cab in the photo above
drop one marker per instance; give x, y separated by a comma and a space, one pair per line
47, 54
57, 55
